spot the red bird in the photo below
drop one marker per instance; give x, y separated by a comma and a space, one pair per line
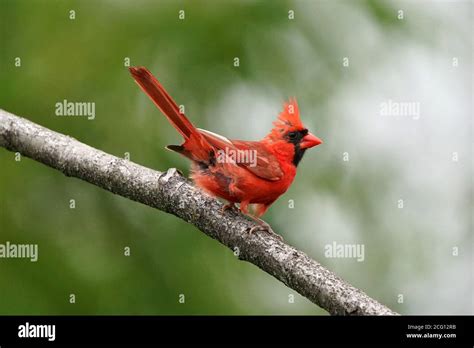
245, 172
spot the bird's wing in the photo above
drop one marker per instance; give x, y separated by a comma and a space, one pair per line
266, 166
259, 161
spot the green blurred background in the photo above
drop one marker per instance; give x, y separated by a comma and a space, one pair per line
408, 251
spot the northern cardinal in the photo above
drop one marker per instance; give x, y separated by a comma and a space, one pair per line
216, 170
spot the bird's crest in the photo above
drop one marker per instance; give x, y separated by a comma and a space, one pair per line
288, 120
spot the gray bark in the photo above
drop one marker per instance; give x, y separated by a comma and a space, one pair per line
172, 193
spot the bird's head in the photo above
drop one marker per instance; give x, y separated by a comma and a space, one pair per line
289, 129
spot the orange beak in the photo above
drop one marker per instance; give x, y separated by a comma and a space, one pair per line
310, 140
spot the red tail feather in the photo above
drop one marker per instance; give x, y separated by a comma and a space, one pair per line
195, 146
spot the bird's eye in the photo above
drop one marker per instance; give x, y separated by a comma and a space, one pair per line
292, 135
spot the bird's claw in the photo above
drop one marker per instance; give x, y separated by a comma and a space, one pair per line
228, 206
265, 228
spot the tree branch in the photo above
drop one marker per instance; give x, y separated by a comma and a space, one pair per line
174, 194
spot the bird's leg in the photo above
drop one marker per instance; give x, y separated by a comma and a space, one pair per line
228, 206
244, 207
263, 226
